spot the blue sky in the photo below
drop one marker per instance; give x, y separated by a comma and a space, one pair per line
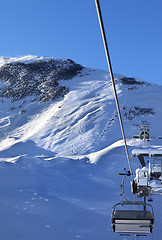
70, 29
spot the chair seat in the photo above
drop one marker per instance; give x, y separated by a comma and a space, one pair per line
131, 221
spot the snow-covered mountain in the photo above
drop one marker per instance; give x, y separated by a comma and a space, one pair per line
57, 119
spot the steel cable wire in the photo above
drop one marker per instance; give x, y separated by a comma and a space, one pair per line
112, 78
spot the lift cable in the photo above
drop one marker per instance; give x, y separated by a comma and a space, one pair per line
112, 78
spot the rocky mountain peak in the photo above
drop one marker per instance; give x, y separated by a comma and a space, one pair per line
38, 78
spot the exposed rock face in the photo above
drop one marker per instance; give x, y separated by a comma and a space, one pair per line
38, 78
131, 81
138, 111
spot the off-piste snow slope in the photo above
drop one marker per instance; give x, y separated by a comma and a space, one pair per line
61, 147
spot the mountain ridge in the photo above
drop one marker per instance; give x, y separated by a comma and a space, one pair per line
86, 109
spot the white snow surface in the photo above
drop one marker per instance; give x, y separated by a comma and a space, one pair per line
60, 160
23, 59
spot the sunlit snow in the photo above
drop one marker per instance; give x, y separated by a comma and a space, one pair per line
60, 160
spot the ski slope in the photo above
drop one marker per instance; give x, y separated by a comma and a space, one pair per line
60, 160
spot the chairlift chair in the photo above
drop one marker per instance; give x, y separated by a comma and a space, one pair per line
156, 168
141, 183
152, 155
132, 221
144, 134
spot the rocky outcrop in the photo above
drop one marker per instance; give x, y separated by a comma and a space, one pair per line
39, 78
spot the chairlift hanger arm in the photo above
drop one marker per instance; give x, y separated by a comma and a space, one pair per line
112, 78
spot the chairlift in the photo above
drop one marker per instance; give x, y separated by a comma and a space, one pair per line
149, 176
144, 134
156, 168
127, 221
141, 183
131, 220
